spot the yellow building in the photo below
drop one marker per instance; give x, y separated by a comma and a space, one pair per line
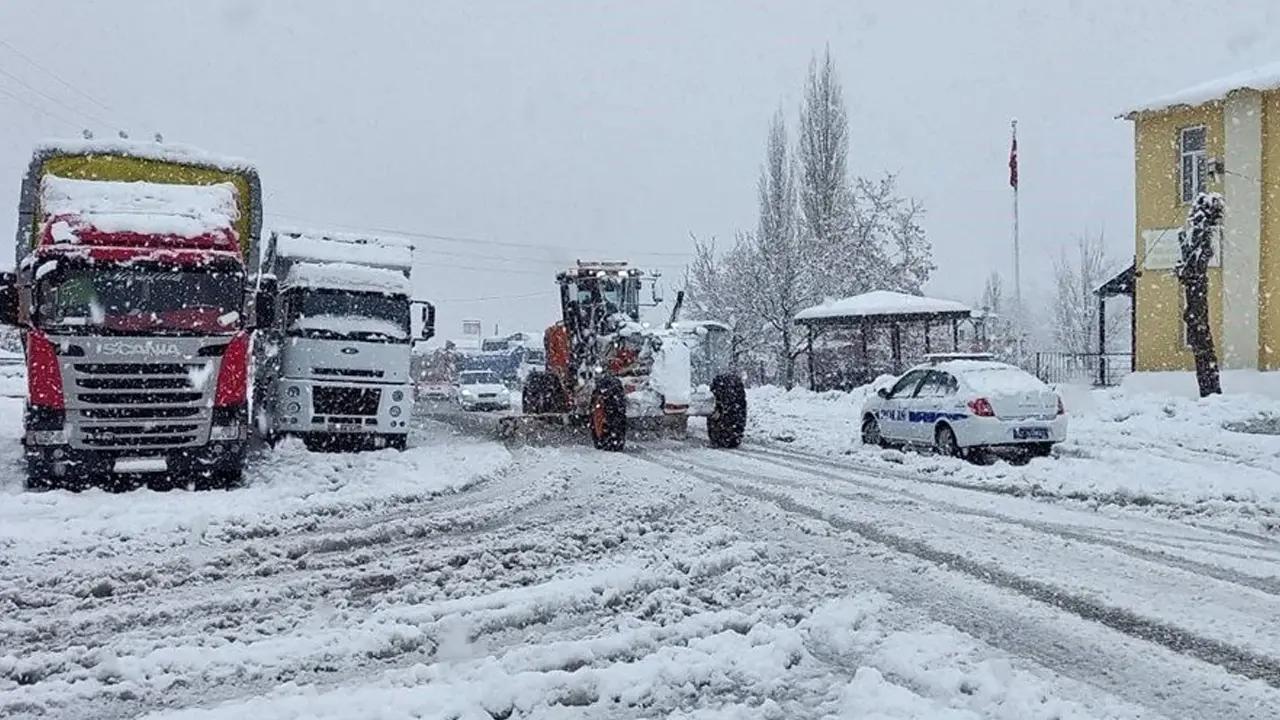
1222, 136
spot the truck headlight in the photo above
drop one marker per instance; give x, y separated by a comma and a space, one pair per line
395, 411
466, 393
49, 437
293, 407
224, 432
293, 391
397, 395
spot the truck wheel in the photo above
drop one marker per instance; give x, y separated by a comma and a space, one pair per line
398, 442
222, 479
39, 476
608, 419
728, 422
542, 394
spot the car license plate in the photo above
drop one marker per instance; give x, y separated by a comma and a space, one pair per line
346, 427
1031, 433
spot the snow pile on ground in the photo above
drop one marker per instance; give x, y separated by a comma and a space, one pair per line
1169, 453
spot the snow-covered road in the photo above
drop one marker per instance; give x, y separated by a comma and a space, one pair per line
465, 579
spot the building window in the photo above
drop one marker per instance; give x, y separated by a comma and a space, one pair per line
1191, 153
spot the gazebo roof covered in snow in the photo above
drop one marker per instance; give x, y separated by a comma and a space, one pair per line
882, 307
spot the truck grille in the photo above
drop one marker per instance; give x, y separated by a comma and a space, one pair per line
347, 372
344, 401
139, 406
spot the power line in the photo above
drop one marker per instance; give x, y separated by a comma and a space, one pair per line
31, 61
55, 101
465, 240
525, 296
37, 108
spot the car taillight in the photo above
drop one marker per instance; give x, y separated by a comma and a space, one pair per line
982, 408
44, 377
1061, 410
233, 376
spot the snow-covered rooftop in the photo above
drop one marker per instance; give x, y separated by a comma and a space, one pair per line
338, 247
881, 302
1262, 77
142, 207
349, 277
170, 152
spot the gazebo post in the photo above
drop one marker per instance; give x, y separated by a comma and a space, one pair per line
895, 342
813, 382
928, 346
866, 360
955, 335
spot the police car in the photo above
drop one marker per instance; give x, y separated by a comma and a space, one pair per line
963, 405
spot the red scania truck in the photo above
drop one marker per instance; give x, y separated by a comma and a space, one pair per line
130, 293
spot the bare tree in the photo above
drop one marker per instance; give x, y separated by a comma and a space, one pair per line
713, 291
1077, 274
1196, 244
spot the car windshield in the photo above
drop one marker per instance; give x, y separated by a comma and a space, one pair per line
335, 314
478, 378
78, 298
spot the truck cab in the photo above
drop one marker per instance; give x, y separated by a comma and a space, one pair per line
335, 364
130, 292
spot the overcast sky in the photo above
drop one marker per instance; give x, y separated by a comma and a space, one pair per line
550, 131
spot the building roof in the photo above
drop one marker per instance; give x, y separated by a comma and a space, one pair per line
883, 305
1262, 77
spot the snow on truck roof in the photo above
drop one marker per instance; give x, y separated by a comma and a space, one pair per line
347, 276
881, 302
382, 251
186, 211
1262, 77
168, 152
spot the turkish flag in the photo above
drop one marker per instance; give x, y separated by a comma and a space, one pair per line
1013, 163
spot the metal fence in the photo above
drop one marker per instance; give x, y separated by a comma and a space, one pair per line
1103, 369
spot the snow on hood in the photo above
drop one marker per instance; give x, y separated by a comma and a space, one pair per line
339, 247
1262, 77
351, 324
139, 207
881, 302
349, 277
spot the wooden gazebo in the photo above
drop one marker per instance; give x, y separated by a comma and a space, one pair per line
882, 309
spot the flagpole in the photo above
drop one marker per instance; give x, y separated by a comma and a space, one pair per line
1017, 252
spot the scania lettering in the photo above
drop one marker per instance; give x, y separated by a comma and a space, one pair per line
130, 294
334, 367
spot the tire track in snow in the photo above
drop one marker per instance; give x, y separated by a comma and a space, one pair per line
1268, 585
1034, 491
1234, 659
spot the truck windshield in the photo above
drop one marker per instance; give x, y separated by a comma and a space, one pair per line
342, 315
139, 299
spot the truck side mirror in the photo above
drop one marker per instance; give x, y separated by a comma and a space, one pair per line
8, 298
264, 302
428, 321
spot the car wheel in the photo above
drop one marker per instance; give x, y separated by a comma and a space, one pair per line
944, 442
871, 432
1040, 450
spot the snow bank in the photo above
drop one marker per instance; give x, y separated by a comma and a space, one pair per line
881, 302
1262, 77
1163, 452
382, 251
347, 276
287, 484
1183, 384
140, 207
351, 324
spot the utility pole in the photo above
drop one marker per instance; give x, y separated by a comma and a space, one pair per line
1013, 182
